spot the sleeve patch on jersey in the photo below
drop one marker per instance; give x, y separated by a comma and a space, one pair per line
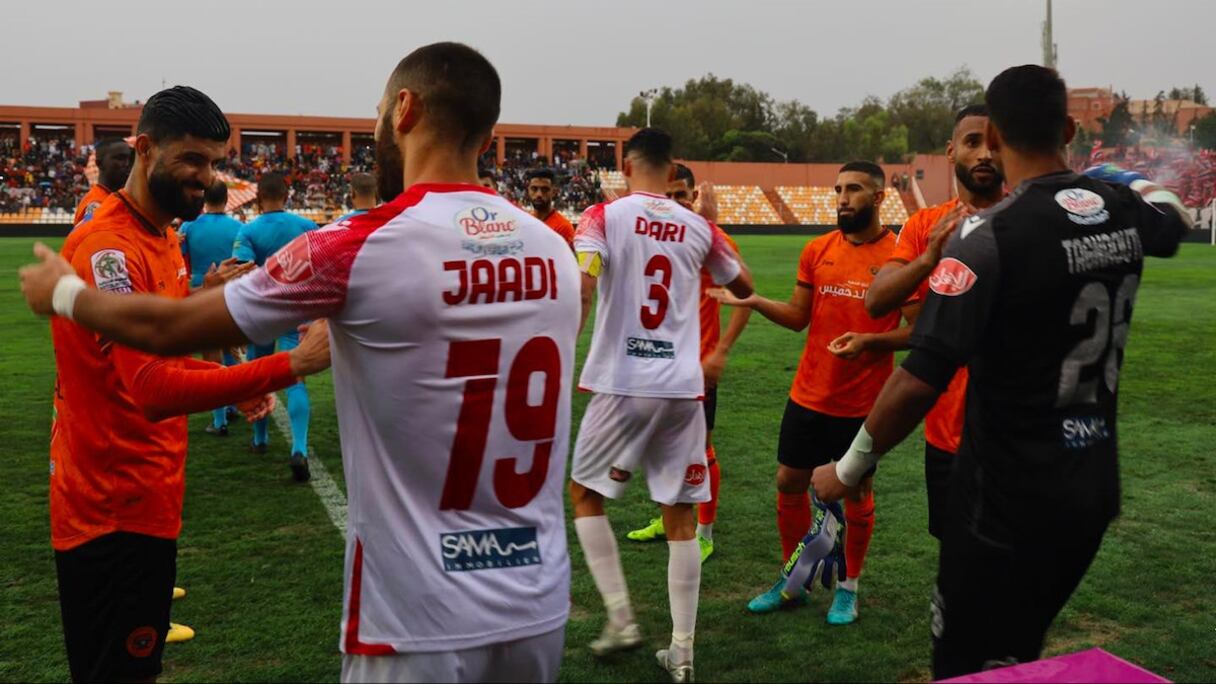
110, 271
952, 278
292, 264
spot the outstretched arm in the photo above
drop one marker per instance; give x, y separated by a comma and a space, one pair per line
794, 314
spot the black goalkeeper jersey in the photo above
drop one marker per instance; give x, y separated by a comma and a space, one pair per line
1035, 295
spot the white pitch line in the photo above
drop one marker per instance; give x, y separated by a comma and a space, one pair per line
326, 489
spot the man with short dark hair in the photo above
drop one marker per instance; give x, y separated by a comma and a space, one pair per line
1035, 296
256, 241
542, 193
454, 317
362, 195
715, 349
113, 166
644, 254
118, 444
833, 389
904, 278
207, 245
485, 178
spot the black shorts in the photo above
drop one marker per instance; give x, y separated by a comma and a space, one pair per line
114, 595
710, 405
810, 439
938, 464
994, 602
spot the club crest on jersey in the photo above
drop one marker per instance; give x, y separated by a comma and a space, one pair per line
292, 264
952, 278
1084, 207
695, 475
110, 271
485, 224
650, 349
508, 547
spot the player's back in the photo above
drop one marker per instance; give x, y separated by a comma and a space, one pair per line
267, 234
647, 326
208, 240
1053, 270
453, 323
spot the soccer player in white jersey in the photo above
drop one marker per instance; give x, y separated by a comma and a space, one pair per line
644, 254
453, 317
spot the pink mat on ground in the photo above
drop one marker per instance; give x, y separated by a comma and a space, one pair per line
1094, 665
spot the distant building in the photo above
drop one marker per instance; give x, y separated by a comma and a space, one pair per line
1088, 105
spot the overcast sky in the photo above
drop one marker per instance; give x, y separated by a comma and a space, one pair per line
580, 62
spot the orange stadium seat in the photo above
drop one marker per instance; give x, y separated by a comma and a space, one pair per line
744, 204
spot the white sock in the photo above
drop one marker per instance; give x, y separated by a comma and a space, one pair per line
683, 589
850, 584
706, 531
603, 559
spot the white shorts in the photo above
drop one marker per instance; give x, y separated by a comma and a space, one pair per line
663, 437
534, 659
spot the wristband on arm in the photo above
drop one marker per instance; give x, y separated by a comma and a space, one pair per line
63, 297
858, 459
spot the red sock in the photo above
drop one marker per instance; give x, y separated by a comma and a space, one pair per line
708, 511
859, 518
793, 520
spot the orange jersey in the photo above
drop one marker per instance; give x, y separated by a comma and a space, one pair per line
562, 226
944, 422
111, 468
838, 274
711, 317
90, 202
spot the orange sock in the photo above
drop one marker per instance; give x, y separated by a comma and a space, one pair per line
859, 518
708, 511
793, 520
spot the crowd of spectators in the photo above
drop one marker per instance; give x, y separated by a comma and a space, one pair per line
1191, 174
578, 184
317, 177
48, 173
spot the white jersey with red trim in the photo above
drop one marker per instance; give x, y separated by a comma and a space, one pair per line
453, 318
647, 322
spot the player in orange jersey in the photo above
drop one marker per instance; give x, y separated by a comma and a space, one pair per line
906, 276
113, 167
118, 442
832, 392
541, 193
715, 349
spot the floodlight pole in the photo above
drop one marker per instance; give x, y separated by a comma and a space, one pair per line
649, 97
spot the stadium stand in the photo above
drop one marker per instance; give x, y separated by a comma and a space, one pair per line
816, 205
744, 204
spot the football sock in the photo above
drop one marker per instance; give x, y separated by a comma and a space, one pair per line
599, 548
708, 512
261, 431
793, 520
298, 410
683, 590
219, 417
850, 584
859, 518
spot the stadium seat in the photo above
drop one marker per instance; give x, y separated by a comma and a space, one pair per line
744, 204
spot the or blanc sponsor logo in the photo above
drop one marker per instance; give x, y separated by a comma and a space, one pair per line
508, 547
110, 271
1084, 207
952, 278
485, 224
292, 264
657, 208
650, 349
695, 474
1080, 433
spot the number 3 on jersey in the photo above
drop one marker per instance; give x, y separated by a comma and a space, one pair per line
659, 266
1110, 325
478, 361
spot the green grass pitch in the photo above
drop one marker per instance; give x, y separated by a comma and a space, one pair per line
263, 564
